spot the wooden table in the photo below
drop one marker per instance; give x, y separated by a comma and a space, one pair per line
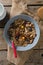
36, 58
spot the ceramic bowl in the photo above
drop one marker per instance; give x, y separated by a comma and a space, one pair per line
28, 18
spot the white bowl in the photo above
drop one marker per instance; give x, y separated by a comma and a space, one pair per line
2, 12
28, 18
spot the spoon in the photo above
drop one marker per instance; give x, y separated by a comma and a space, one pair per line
14, 49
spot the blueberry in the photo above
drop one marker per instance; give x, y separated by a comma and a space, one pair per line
17, 36
30, 29
27, 39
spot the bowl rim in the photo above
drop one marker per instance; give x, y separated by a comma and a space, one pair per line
3, 14
29, 46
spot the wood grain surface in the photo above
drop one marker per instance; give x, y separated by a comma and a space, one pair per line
36, 57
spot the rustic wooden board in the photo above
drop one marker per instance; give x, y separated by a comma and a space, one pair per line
8, 9
3, 44
36, 57
35, 2
9, 2
41, 56
6, 2
3, 55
